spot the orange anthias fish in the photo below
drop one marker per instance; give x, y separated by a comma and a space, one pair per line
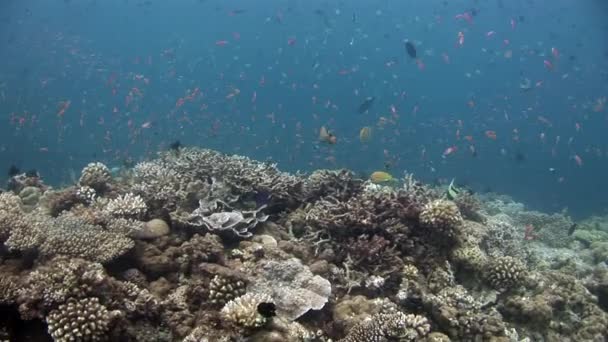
326, 136
491, 135
365, 134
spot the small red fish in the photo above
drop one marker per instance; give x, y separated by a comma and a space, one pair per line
578, 160
221, 43
491, 135
548, 64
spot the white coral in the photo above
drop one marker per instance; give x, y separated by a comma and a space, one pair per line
243, 311
126, 206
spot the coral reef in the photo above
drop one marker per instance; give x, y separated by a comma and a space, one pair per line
196, 245
95, 175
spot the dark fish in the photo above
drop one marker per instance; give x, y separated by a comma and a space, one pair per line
366, 105
175, 146
13, 171
410, 49
267, 309
572, 229
474, 12
519, 157
354, 18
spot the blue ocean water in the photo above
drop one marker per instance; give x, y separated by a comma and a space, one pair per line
116, 81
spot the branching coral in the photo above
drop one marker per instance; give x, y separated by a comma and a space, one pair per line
561, 309
224, 289
127, 206
11, 215
441, 214
80, 320
372, 254
95, 175
243, 312
339, 184
505, 273
389, 326
461, 316
9, 286
55, 282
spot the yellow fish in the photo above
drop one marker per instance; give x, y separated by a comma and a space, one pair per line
365, 134
381, 177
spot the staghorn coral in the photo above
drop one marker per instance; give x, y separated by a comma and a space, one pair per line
80, 320
339, 184
389, 326
505, 273
95, 175
372, 254
441, 214
243, 312
370, 211
127, 206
